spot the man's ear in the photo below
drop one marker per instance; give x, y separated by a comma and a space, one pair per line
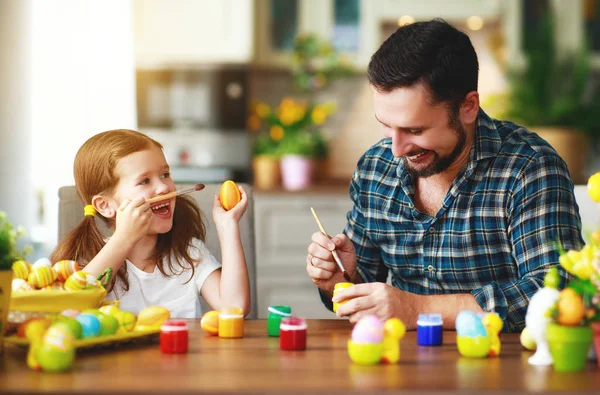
469, 108
103, 206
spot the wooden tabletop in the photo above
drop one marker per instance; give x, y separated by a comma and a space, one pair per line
256, 364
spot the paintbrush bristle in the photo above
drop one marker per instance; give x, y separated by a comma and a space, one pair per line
199, 187
347, 277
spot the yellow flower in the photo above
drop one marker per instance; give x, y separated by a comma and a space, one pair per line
287, 115
287, 102
276, 133
262, 110
319, 115
594, 187
253, 122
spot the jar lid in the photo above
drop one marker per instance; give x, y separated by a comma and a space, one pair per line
293, 323
342, 285
174, 325
284, 311
429, 319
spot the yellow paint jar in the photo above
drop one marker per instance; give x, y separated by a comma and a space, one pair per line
337, 288
231, 322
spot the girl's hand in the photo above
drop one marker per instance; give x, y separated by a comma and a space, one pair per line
133, 220
222, 218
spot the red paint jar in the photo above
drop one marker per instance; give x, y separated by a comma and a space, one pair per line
174, 337
292, 333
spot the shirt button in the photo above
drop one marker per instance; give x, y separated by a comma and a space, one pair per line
430, 268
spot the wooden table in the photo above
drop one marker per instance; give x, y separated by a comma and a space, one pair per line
256, 364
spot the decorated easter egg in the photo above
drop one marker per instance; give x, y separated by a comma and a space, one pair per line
41, 276
210, 322
57, 351
71, 324
229, 195
19, 285
571, 309
21, 269
126, 320
368, 330
70, 313
468, 324
90, 325
108, 324
42, 262
95, 312
37, 330
152, 317
110, 309
65, 268
527, 341
76, 281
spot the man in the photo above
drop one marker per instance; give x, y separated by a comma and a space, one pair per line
461, 210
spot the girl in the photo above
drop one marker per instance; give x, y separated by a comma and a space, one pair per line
157, 250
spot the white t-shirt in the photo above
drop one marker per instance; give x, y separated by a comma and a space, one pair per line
154, 289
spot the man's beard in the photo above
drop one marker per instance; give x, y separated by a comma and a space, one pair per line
440, 164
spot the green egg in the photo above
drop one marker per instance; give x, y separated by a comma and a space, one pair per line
72, 325
108, 325
53, 359
95, 312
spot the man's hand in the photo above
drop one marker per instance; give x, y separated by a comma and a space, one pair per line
321, 266
381, 300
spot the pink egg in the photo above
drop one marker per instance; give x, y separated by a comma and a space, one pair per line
368, 330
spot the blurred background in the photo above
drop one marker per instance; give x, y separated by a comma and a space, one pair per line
268, 92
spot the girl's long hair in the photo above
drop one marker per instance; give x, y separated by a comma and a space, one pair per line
94, 171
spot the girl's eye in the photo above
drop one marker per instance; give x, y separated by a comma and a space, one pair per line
166, 175
144, 181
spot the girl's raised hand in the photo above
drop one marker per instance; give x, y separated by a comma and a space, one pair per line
222, 217
133, 219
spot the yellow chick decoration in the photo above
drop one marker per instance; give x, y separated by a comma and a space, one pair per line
493, 323
393, 331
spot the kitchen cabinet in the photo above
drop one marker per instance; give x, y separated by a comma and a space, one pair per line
168, 33
284, 226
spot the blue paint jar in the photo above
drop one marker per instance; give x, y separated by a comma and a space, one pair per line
429, 330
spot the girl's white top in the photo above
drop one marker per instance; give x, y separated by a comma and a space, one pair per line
172, 293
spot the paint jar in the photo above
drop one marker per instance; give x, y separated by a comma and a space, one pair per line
337, 288
429, 330
292, 334
174, 337
231, 322
276, 313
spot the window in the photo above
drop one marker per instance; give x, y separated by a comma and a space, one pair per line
345, 35
284, 24
591, 21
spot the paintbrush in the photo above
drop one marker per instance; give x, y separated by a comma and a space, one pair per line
183, 191
334, 252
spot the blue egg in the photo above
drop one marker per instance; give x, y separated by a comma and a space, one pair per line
90, 325
468, 324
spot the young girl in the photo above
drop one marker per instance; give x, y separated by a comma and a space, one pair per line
157, 250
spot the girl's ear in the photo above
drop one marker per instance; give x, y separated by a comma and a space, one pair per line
103, 206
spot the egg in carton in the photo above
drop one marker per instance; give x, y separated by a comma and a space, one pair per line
65, 268
21, 269
41, 276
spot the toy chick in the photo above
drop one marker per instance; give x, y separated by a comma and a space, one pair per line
493, 323
393, 331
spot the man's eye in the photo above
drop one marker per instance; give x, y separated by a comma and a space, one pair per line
415, 132
166, 175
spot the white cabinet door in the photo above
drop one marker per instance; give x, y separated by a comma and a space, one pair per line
284, 225
170, 32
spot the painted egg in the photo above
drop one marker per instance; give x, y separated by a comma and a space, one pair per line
110, 309
369, 329
42, 262
210, 322
65, 268
126, 320
229, 195
71, 325
152, 317
19, 285
57, 351
90, 325
76, 281
21, 269
468, 324
41, 276
60, 337
108, 324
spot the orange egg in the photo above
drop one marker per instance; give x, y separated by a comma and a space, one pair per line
210, 323
230, 195
570, 307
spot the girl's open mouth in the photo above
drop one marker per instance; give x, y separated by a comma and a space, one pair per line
162, 209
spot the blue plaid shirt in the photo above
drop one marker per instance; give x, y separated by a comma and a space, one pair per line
495, 234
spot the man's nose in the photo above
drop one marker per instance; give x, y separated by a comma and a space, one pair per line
401, 144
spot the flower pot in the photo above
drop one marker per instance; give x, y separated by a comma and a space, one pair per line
596, 329
266, 172
569, 346
296, 172
5, 289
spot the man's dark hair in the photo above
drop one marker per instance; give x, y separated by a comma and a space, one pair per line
432, 52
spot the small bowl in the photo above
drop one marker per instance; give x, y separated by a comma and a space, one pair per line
365, 353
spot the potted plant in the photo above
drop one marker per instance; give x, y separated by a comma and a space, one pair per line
8, 254
265, 155
555, 96
292, 131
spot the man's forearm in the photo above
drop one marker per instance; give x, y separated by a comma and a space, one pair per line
448, 306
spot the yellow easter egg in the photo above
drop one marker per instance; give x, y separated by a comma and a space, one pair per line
229, 195
21, 269
594, 187
152, 317
527, 341
110, 309
65, 268
76, 281
210, 322
126, 320
41, 277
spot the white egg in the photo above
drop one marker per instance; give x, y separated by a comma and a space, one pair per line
42, 262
